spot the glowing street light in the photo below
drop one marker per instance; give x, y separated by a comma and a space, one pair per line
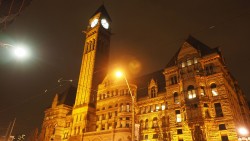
20, 52
244, 134
243, 131
120, 74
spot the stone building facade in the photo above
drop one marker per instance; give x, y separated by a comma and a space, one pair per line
194, 98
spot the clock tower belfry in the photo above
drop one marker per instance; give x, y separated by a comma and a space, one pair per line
93, 70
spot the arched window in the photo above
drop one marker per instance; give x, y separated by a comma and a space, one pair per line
176, 98
203, 93
104, 96
146, 124
214, 89
191, 92
154, 125
141, 124
153, 92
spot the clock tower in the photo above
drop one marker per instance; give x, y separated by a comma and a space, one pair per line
93, 70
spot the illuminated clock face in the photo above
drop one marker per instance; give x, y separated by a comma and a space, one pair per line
105, 23
94, 23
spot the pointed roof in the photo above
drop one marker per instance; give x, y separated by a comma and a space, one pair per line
103, 12
201, 47
143, 82
67, 95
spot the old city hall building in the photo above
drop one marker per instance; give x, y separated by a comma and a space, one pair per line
194, 98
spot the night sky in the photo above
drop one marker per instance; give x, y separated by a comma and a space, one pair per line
147, 32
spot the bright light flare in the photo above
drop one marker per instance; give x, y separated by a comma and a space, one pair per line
243, 131
118, 74
21, 52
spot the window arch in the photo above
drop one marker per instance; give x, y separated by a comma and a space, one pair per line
191, 92
176, 98
214, 89
141, 124
203, 93
154, 125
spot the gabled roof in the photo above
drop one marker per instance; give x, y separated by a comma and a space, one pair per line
143, 82
103, 12
202, 48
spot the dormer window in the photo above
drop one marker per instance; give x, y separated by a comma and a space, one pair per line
152, 89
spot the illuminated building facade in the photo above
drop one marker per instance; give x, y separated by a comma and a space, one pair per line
194, 98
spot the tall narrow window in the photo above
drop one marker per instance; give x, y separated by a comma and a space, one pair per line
127, 107
121, 108
141, 124
178, 115
93, 45
218, 110
163, 106
146, 124
176, 98
214, 89
151, 108
157, 108
163, 120
154, 122
191, 92
203, 93
153, 92
173, 80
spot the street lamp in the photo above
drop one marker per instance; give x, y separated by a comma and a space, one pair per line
244, 134
120, 74
20, 52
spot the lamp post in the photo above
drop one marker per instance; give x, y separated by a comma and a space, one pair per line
243, 134
120, 74
20, 52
